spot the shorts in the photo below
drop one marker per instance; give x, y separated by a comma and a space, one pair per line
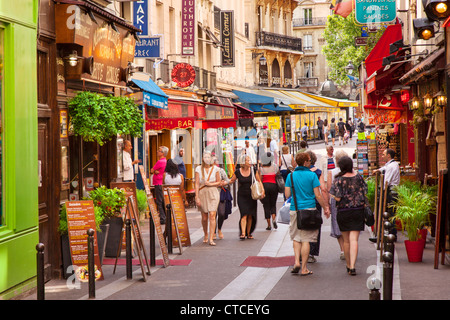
301, 235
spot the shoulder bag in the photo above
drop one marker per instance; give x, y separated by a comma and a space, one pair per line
369, 218
256, 187
306, 219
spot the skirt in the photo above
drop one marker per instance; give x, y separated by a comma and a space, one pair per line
209, 199
301, 235
351, 219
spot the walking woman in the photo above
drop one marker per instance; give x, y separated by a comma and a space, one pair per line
333, 130
335, 231
207, 197
225, 206
173, 177
306, 187
268, 171
349, 189
287, 162
247, 206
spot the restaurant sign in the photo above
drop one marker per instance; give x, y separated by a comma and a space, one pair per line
227, 38
183, 74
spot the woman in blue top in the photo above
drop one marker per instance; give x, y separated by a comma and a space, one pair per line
306, 187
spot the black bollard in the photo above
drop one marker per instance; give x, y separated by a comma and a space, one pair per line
388, 275
169, 228
374, 286
40, 271
152, 242
128, 249
91, 264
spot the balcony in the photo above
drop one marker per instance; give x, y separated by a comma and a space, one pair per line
307, 22
308, 82
279, 41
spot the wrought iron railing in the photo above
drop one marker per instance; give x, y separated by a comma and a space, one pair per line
264, 38
308, 82
303, 22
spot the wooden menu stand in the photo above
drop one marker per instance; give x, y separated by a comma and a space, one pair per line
130, 213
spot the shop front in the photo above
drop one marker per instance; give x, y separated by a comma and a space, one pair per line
386, 112
19, 169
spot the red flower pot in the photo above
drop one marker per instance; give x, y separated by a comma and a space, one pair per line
423, 235
414, 250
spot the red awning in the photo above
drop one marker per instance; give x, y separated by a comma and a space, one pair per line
374, 60
243, 113
215, 124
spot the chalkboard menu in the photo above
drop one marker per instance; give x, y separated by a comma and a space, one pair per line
81, 218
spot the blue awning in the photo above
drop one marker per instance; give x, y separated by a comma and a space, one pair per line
153, 95
260, 103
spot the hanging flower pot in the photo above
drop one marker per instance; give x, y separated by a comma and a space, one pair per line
414, 250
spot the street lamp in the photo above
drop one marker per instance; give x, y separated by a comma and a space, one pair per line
441, 99
350, 67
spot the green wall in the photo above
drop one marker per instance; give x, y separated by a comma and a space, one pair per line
20, 234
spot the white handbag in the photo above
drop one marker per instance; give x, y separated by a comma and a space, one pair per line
256, 188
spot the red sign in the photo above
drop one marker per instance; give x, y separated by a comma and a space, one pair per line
370, 86
404, 96
183, 74
172, 123
188, 27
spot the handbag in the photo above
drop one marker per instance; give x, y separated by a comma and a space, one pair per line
369, 218
306, 219
280, 182
256, 188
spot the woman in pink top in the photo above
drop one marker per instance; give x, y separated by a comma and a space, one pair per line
268, 171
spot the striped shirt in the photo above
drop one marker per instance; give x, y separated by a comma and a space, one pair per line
330, 163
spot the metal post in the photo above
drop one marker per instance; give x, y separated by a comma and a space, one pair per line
169, 228
40, 271
91, 265
152, 243
129, 270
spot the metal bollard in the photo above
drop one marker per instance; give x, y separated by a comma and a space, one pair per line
128, 249
169, 228
40, 271
374, 286
91, 264
388, 269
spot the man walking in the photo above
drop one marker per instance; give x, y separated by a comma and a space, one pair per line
320, 128
158, 172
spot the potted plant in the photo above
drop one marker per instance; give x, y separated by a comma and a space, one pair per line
412, 206
142, 205
63, 231
110, 202
99, 118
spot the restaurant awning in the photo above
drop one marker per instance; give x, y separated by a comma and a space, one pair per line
152, 94
337, 103
374, 60
260, 103
292, 102
421, 68
311, 104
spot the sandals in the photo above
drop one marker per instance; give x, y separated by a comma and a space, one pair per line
250, 237
306, 274
212, 243
242, 237
296, 270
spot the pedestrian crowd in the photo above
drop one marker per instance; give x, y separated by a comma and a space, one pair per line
334, 190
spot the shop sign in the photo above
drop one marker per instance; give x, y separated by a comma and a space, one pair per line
172, 196
148, 47
140, 16
404, 96
369, 12
169, 124
188, 27
380, 116
274, 123
371, 86
227, 38
183, 74
110, 49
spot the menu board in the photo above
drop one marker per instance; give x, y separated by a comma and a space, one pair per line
179, 212
81, 218
155, 217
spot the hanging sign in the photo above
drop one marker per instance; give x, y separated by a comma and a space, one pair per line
187, 27
227, 38
370, 12
140, 16
149, 47
183, 74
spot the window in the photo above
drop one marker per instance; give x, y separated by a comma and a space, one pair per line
307, 42
308, 69
2, 216
307, 15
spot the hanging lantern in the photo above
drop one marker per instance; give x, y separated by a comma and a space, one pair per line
428, 101
441, 99
414, 103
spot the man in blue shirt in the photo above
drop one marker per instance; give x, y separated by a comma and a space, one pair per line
307, 191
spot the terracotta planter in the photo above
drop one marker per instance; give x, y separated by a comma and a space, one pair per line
414, 250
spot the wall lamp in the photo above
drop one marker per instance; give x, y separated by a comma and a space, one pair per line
436, 9
423, 28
